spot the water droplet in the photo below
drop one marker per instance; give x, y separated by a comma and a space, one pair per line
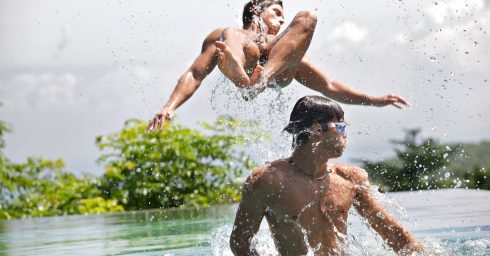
475, 43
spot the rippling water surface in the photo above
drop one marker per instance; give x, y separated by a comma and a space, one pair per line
449, 222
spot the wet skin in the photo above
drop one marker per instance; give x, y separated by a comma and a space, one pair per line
299, 198
238, 53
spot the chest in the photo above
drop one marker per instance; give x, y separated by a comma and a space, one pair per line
332, 196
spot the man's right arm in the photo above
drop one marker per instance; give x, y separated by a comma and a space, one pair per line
190, 81
249, 215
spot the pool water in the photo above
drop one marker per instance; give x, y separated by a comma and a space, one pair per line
448, 222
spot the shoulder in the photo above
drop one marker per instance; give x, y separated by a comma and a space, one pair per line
256, 177
212, 37
265, 176
354, 174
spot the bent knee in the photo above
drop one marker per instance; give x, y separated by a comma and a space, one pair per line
307, 14
307, 19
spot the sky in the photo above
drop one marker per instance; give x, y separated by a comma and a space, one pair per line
73, 70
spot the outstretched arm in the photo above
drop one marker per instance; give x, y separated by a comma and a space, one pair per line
249, 215
189, 81
396, 236
312, 77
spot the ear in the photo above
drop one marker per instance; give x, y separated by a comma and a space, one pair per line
317, 127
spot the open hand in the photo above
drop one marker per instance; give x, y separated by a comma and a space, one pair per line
412, 247
159, 119
390, 99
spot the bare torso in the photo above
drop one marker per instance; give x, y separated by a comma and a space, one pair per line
322, 219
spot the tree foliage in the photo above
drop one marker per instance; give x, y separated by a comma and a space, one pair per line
40, 187
423, 164
176, 166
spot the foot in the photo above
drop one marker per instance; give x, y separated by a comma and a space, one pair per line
257, 84
256, 75
230, 66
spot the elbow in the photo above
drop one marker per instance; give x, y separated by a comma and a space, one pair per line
329, 86
191, 75
238, 245
190, 79
234, 244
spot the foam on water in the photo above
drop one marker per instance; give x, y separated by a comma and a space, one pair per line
358, 242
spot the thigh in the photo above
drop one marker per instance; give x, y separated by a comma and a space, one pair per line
299, 32
288, 48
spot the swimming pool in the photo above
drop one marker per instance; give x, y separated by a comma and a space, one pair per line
449, 222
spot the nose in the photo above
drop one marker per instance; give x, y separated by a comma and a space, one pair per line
281, 20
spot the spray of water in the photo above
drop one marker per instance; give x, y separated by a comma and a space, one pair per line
269, 111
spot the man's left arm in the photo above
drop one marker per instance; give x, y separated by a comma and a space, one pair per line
396, 236
312, 77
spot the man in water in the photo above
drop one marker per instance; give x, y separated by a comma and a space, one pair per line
305, 197
255, 57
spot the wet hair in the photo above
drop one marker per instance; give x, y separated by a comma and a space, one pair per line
308, 111
251, 6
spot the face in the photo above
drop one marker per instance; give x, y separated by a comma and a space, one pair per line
330, 138
273, 17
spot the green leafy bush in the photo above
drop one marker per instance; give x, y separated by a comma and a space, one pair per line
39, 187
174, 167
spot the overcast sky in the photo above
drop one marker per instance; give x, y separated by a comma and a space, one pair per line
72, 70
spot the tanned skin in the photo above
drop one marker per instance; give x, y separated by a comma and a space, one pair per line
237, 55
298, 197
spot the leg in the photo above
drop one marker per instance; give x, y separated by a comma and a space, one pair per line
287, 49
231, 57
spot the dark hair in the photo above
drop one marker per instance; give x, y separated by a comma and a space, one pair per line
251, 7
308, 111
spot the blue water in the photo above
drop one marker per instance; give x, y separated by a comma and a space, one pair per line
449, 222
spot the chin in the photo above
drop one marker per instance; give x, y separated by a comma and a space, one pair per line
273, 32
340, 152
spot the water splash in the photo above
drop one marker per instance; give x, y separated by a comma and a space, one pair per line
269, 111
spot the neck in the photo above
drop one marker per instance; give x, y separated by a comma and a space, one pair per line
311, 162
